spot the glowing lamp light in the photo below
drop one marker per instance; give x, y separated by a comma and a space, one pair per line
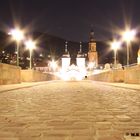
129, 35
17, 34
115, 45
30, 44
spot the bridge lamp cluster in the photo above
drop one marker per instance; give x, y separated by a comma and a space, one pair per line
18, 35
127, 36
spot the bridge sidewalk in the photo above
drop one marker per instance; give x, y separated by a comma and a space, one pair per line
122, 85
4, 88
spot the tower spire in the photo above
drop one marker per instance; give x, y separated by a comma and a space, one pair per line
91, 36
66, 47
80, 47
92, 53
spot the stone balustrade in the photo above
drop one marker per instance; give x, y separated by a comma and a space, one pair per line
9, 74
109, 76
132, 75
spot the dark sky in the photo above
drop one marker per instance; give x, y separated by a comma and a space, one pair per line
71, 19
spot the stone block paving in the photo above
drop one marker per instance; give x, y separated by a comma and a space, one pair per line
69, 111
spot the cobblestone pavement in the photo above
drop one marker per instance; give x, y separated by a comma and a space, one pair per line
69, 111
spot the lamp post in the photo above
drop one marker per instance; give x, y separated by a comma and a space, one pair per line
115, 45
30, 45
17, 35
128, 36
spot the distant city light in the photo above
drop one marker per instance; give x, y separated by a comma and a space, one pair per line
41, 55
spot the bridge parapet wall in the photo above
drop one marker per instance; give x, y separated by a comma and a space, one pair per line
36, 76
109, 76
132, 74
9, 74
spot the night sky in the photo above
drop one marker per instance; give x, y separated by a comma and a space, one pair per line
71, 19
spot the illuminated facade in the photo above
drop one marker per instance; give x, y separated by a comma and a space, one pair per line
80, 60
92, 53
73, 72
66, 58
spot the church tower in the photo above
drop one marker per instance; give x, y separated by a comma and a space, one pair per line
66, 58
80, 58
92, 53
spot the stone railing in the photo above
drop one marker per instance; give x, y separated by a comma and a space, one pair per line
36, 76
109, 76
9, 74
132, 74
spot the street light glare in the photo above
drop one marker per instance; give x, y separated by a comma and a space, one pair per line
129, 35
17, 34
115, 45
30, 44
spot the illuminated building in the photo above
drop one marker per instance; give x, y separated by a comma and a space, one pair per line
66, 58
92, 53
80, 60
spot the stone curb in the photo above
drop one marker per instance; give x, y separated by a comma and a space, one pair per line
24, 85
120, 85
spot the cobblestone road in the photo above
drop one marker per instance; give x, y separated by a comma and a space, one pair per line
69, 111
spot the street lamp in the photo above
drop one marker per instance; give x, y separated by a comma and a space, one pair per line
115, 45
128, 36
17, 35
30, 45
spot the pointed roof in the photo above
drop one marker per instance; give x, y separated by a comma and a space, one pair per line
91, 36
66, 53
80, 54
